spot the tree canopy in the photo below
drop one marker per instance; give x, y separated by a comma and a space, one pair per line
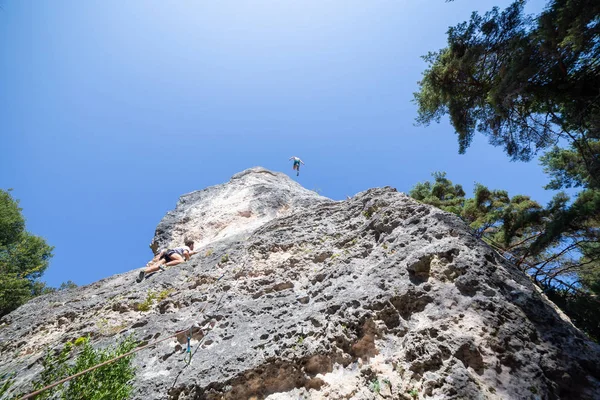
528, 83
23, 257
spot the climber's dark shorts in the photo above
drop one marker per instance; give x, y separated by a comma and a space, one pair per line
167, 255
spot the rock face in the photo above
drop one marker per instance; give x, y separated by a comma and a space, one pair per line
376, 296
231, 210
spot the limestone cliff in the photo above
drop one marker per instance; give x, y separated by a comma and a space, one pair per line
373, 297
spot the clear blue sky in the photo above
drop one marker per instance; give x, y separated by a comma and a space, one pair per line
110, 110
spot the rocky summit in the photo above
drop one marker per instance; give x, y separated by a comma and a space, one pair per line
295, 296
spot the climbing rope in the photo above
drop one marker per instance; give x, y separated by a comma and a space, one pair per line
188, 353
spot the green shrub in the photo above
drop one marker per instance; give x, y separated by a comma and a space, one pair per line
375, 386
163, 294
225, 258
112, 381
146, 304
6, 381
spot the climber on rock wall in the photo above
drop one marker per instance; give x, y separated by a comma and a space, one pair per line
297, 162
168, 257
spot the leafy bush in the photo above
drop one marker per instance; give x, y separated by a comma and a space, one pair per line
6, 381
110, 382
163, 294
146, 304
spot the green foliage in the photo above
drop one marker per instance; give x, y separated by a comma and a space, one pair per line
80, 341
146, 304
524, 82
414, 393
6, 381
568, 168
209, 252
441, 193
67, 285
492, 214
23, 257
375, 386
225, 259
163, 294
112, 381
12, 223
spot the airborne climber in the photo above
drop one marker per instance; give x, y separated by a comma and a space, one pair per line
297, 162
169, 257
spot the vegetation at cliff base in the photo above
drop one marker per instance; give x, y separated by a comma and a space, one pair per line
110, 382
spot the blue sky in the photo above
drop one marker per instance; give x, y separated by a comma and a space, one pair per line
110, 110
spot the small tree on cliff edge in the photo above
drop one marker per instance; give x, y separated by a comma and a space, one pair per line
23, 257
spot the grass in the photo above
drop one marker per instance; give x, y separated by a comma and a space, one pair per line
209, 252
225, 259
